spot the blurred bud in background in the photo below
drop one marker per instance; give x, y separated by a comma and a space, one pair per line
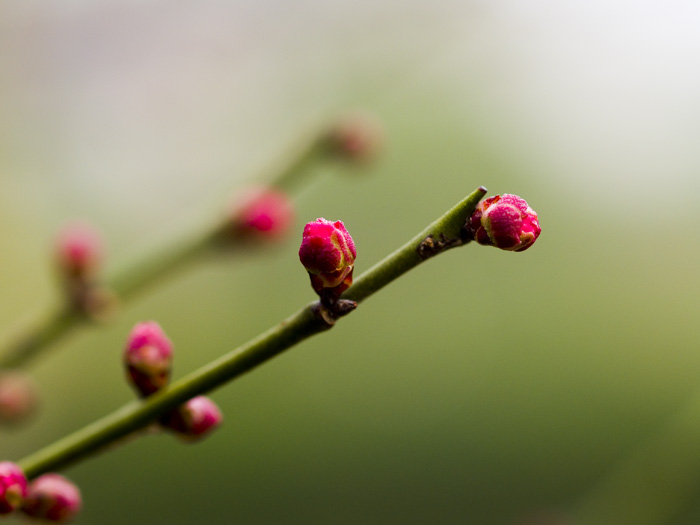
357, 136
52, 497
18, 397
262, 213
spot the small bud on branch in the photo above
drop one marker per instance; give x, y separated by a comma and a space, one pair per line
148, 358
52, 497
195, 419
328, 253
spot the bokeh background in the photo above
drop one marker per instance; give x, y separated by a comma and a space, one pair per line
559, 385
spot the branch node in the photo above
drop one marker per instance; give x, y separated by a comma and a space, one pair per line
430, 246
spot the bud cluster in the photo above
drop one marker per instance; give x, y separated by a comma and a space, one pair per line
49, 497
148, 359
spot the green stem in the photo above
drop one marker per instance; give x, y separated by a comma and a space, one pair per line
286, 334
29, 342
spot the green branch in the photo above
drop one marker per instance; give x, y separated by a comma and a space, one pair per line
443, 234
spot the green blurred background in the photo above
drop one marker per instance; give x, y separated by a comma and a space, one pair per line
560, 385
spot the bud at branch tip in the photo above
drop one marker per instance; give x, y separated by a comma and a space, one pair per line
504, 221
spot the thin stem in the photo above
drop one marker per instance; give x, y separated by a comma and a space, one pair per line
303, 324
29, 341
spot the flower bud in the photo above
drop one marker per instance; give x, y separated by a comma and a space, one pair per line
78, 252
328, 253
506, 222
13, 487
17, 397
148, 358
195, 419
52, 497
263, 212
357, 136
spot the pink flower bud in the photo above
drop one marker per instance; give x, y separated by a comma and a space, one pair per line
357, 136
195, 419
78, 251
148, 358
17, 397
13, 487
506, 222
52, 497
328, 253
263, 212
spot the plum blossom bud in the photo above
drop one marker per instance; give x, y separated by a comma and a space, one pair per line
17, 397
264, 213
357, 136
13, 487
506, 222
328, 253
148, 358
195, 419
78, 251
52, 497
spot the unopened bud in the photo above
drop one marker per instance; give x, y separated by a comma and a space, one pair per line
17, 397
13, 487
506, 222
264, 213
194, 420
52, 497
148, 358
328, 253
79, 251
79, 255
357, 136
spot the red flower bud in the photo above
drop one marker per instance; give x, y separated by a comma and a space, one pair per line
328, 253
52, 497
79, 251
195, 419
264, 212
506, 222
357, 136
17, 396
148, 358
13, 487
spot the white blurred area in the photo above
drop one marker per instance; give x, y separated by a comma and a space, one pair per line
147, 102
160, 103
